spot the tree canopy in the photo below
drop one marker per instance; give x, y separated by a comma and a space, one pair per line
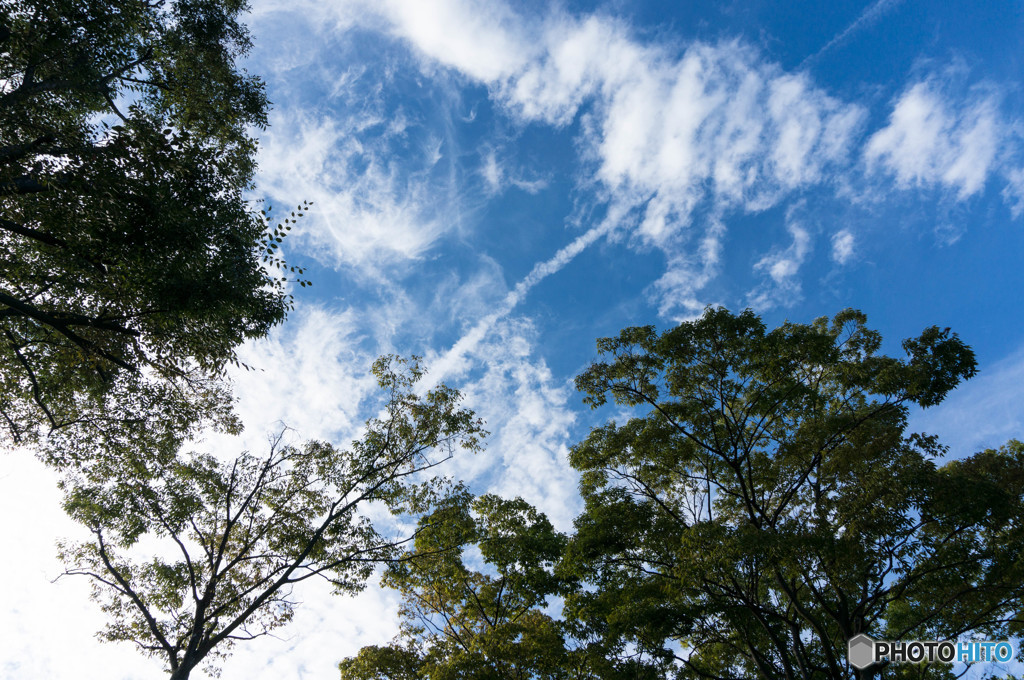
768, 504
482, 594
460, 622
128, 251
230, 536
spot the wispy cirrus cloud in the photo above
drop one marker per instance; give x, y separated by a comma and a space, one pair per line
667, 131
780, 268
500, 175
529, 413
1013, 193
311, 375
368, 210
680, 137
983, 412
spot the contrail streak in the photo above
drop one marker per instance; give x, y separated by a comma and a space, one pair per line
451, 361
867, 17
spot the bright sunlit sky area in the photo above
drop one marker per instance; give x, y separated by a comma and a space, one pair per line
495, 185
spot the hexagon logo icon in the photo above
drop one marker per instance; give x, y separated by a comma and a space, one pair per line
861, 651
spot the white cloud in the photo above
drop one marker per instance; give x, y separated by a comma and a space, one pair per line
842, 246
1013, 194
367, 211
492, 173
931, 141
781, 267
48, 627
983, 412
716, 125
326, 628
285, 30
666, 132
671, 131
457, 298
498, 178
811, 130
484, 40
687, 272
312, 374
578, 56
528, 414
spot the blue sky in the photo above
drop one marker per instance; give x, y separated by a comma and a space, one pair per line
496, 185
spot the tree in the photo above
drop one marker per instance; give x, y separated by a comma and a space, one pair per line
457, 622
129, 256
230, 538
767, 504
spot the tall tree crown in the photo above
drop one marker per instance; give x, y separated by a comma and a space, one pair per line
766, 504
127, 245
